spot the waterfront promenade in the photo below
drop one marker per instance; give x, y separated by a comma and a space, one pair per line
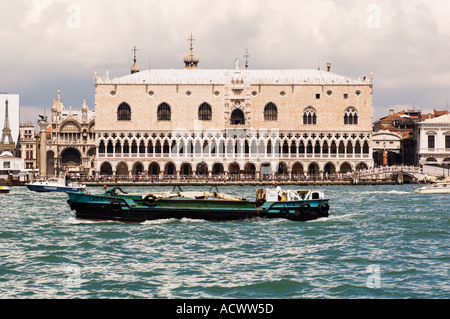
375, 176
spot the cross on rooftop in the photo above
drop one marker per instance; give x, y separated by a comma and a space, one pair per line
246, 56
134, 50
191, 40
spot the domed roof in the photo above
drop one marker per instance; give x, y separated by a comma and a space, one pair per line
134, 68
191, 57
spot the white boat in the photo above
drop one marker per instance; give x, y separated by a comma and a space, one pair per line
436, 188
4, 189
56, 184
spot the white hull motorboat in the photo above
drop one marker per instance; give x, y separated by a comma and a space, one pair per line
437, 188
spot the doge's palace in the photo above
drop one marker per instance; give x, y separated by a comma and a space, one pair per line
209, 122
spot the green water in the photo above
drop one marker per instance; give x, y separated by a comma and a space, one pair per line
379, 242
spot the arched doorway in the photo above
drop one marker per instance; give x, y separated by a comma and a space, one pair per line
122, 169
170, 169
313, 170
282, 169
154, 169
250, 169
106, 169
138, 169
202, 169
345, 168
186, 169
217, 169
297, 170
361, 166
329, 169
237, 117
266, 170
71, 157
234, 169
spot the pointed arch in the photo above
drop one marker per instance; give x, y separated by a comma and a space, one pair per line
205, 112
237, 117
124, 112
270, 112
164, 112
309, 116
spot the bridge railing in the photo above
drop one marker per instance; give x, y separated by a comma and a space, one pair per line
390, 170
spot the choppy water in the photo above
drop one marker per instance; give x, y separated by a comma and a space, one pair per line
379, 242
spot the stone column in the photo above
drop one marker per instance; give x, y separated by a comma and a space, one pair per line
43, 124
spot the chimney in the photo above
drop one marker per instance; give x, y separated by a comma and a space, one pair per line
328, 66
391, 112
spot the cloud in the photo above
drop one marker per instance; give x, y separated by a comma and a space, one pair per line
60, 44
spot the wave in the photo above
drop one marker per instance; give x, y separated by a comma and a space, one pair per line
334, 217
159, 221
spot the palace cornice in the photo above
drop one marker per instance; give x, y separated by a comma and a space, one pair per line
229, 77
429, 126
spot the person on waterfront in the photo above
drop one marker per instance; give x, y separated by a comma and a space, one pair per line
278, 189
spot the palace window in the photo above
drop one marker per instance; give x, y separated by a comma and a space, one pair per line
204, 112
109, 148
309, 117
124, 112
164, 112
430, 141
237, 117
101, 147
351, 116
270, 112
447, 141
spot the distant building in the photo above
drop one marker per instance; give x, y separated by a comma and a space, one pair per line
402, 127
433, 141
387, 148
70, 143
10, 165
27, 145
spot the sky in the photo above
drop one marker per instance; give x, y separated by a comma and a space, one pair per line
46, 45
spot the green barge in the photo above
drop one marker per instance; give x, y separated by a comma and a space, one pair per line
115, 204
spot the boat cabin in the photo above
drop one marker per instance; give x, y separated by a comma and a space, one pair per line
270, 195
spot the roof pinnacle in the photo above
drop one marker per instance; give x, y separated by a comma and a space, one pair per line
135, 67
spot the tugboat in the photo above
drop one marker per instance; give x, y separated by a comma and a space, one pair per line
117, 205
56, 184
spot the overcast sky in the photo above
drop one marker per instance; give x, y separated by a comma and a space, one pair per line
51, 44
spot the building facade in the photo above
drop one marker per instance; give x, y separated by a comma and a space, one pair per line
433, 141
401, 124
71, 140
28, 145
195, 122
387, 148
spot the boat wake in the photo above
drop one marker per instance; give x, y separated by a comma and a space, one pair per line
159, 221
334, 217
75, 221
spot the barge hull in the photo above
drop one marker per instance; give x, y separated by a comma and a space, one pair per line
112, 211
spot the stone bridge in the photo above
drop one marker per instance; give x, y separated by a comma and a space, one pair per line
399, 174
